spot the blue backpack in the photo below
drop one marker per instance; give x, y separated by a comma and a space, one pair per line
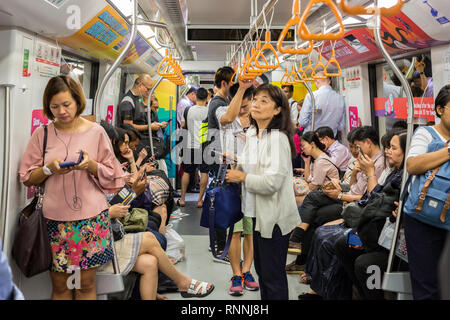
429, 198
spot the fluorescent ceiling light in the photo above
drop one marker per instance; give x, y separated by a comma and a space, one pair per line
350, 20
124, 6
146, 31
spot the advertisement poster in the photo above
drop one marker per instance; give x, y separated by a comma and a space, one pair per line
37, 119
110, 114
353, 118
398, 108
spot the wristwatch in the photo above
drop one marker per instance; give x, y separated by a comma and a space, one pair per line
47, 171
340, 196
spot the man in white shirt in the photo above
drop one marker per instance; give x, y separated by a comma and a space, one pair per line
289, 91
329, 111
192, 152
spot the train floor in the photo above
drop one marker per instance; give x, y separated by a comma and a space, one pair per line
199, 262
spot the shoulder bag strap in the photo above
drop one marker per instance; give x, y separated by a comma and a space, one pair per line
41, 187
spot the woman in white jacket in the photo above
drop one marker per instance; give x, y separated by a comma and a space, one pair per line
265, 171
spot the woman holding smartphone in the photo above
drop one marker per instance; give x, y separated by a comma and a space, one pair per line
74, 201
265, 169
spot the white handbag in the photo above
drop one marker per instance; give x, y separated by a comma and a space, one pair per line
385, 240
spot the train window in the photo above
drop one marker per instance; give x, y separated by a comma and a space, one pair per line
390, 111
81, 70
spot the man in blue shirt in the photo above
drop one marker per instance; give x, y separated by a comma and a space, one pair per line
329, 111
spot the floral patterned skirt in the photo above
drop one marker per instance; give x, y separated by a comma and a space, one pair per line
82, 244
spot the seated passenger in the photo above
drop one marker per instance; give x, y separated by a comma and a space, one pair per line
8, 290
339, 154
356, 259
141, 252
318, 172
322, 266
352, 162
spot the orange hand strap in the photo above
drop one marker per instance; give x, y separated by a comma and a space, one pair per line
266, 46
386, 12
286, 79
319, 64
308, 68
303, 31
332, 60
295, 20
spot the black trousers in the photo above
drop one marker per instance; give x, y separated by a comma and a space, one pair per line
270, 260
313, 202
323, 215
425, 245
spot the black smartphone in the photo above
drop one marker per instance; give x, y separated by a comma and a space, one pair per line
71, 163
168, 121
144, 175
360, 150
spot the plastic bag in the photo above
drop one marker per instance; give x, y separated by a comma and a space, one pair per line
175, 244
385, 240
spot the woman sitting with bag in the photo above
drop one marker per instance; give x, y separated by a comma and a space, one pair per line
74, 202
322, 266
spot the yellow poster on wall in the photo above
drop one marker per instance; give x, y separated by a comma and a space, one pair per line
300, 91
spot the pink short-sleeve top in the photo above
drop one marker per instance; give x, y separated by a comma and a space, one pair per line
77, 195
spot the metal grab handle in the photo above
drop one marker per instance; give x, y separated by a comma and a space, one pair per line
267, 46
356, 10
303, 29
295, 20
332, 60
410, 100
109, 73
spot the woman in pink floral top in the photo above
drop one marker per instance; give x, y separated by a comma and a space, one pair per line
74, 201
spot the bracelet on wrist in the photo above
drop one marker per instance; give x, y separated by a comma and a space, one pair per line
371, 175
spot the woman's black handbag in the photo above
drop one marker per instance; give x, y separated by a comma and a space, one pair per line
31, 248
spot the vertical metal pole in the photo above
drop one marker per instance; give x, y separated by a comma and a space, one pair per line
409, 95
6, 163
172, 180
313, 104
149, 114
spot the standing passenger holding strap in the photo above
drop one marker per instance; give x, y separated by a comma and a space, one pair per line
74, 200
265, 170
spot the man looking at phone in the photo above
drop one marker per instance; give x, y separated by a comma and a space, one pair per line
192, 152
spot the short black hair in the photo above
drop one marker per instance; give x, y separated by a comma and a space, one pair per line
202, 94
366, 132
290, 86
401, 124
223, 74
350, 136
133, 134
211, 91
323, 132
247, 94
442, 98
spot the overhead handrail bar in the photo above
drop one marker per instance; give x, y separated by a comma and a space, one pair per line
269, 5
116, 64
293, 21
303, 29
360, 10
